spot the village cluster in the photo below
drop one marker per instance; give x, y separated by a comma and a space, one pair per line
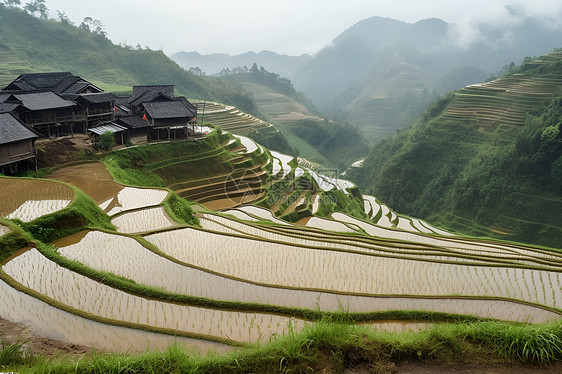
46, 105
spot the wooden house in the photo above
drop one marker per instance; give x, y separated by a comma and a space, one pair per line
16, 143
170, 119
93, 109
44, 111
137, 126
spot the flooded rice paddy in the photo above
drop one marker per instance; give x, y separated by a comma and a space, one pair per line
133, 261
36, 272
388, 266
143, 220
46, 320
302, 267
28, 199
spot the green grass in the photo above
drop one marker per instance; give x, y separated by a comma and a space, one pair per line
180, 210
14, 354
13, 240
81, 213
159, 165
333, 346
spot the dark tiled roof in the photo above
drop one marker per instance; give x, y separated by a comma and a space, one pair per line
142, 94
97, 98
43, 100
168, 109
13, 130
122, 111
188, 104
133, 122
4, 96
166, 89
122, 100
59, 82
8, 107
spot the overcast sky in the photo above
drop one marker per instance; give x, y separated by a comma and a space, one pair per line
284, 26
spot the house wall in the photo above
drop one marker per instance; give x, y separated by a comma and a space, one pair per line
16, 151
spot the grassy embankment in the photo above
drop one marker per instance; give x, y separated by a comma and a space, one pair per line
331, 346
81, 213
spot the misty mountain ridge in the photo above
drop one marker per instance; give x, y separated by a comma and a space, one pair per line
377, 67
214, 63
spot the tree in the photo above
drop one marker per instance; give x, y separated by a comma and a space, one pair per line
107, 140
99, 28
63, 18
86, 23
42, 9
196, 71
32, 7
93, 25
12, 3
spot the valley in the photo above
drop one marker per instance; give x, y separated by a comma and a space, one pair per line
157, 219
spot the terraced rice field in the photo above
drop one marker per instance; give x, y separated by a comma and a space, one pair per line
133, 198
503, 101
28, 199
229, 277
47, 320
36, 272
229, 118
303, 267
143, 220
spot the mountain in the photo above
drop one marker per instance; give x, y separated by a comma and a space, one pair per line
380, 73
486, 160
214, 63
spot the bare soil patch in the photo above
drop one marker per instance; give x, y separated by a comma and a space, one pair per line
55, 152
15, 332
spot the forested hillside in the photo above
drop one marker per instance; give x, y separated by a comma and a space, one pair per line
29, 44
333, 144
486, 160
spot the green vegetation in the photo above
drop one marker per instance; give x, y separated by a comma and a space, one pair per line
259, 80
15, 354
338, 143
80, 214
272, 138
180, 210
29, 45
332, 346
107, 141
504, 182
158, 165
13, 240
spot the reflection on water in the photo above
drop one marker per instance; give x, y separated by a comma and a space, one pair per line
46, 320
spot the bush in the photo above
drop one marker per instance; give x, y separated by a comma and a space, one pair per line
107, 141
